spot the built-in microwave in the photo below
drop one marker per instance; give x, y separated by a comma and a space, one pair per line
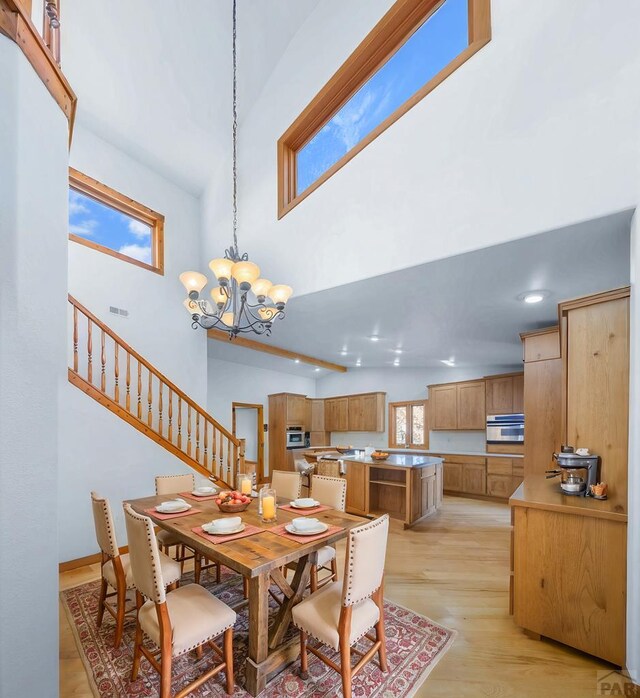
505, 428
295, 437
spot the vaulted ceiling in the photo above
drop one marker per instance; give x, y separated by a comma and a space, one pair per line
153, 77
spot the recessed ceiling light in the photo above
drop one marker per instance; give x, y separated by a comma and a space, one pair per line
374, 338
343, 352
358, 363
398, 351
396, 362
448, 362
316, 369
297, 361
532, 297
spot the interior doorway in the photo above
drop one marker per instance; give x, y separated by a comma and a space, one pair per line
247, 423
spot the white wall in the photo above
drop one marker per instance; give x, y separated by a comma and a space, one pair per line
230, 382
503, 149
633, 526
98, 450
33, 268
404, 384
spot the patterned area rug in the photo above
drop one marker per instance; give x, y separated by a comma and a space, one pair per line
414, 645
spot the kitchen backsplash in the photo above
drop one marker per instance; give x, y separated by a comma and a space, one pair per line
438, 440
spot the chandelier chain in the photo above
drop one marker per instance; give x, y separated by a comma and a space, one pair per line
235, 126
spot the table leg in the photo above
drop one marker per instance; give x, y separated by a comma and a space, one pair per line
256, 678
299, 586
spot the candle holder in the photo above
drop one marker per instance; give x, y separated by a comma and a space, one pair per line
244, 483
268, 507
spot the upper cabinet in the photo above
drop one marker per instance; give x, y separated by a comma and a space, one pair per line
460, 406
296, 410
505, 394
316, 415
336, 414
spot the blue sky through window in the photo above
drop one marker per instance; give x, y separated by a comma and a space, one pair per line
106, 226
431, 48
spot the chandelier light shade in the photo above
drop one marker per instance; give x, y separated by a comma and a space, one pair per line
244, 302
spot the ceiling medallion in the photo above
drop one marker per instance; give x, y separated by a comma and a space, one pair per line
244, 302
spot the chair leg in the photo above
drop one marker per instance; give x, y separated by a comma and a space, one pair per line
165, 675
102, 600
137, 644
199, 651
121, 601
304, 663
380, 635
180, 553
245, 587
197, 567
314, 578
334, 570
345, 667
228, 660
218, 573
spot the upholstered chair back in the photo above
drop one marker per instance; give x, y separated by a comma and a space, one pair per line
170, 484
331, 491
103, 521
286, 483
364, 566
143, 555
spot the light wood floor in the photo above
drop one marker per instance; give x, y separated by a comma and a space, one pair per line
454, 568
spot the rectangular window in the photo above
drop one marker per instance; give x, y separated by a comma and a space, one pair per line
415, 46
105, 220
407, 425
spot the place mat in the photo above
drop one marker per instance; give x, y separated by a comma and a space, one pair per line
304, 512
248, 531
195, 497
281, 531
162, 517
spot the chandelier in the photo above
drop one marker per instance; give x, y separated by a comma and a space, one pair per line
242, 301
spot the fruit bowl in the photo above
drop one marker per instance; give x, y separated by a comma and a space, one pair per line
232, 502
377, 455
344, 449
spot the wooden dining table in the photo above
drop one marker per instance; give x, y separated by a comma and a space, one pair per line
259, 558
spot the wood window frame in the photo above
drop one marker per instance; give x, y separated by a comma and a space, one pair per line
110, 197
391, 32
392, 423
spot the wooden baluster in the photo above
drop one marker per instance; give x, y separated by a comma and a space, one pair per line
236, 462
213, 450
170, 434
180, 422
188, 429
220, 471
128, 398
89, 351
149, 400
160, 407
197, 436
206, 442
231, 480
139, 390
75, 339
116, 389
103, 363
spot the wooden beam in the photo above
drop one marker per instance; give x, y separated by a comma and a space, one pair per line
222, 336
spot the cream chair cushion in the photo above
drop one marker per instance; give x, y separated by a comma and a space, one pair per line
325, 555
172, 484
286, 483
331, 491
364, 564
168, 538
319, 614
103, 521
170, 571
196, 616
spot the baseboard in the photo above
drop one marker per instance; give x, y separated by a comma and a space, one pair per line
480, 497
86, 560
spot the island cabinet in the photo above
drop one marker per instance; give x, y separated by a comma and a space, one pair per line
458, 406
505, 394
357, 490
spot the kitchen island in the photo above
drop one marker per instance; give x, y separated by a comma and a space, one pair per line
407, 487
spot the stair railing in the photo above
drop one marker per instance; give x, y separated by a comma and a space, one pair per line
113, 373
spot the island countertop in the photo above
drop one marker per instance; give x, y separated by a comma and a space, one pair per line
396, 460
424, 452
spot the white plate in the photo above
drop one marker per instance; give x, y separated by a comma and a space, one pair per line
212, 532
160, 510
297, 506
314, 532
213, 493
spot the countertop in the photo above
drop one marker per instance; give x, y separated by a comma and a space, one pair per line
428, 452
536, 492
397, 460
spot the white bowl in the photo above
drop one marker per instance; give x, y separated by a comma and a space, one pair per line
305, 502
205, 490
173, 505
229, 524
305, 523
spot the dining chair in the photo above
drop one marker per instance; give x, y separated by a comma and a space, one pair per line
176, 621
115, 570
331, 491
342, 613
286, 483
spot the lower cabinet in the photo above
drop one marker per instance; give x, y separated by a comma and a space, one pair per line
357, 486
452, 476
465, 474
499, 486
504, 476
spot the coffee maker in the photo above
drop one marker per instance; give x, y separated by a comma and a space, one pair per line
577, 471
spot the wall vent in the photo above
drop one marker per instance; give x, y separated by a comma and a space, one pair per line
118, 311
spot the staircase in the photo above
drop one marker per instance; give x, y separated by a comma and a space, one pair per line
107, 369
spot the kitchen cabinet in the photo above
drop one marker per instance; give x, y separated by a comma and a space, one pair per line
458, 406
357, 488
316, 420
504, 475
319, 438
366, 412
296, 410
594, 338
474, 478
336, 414
505, 394
452, 476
